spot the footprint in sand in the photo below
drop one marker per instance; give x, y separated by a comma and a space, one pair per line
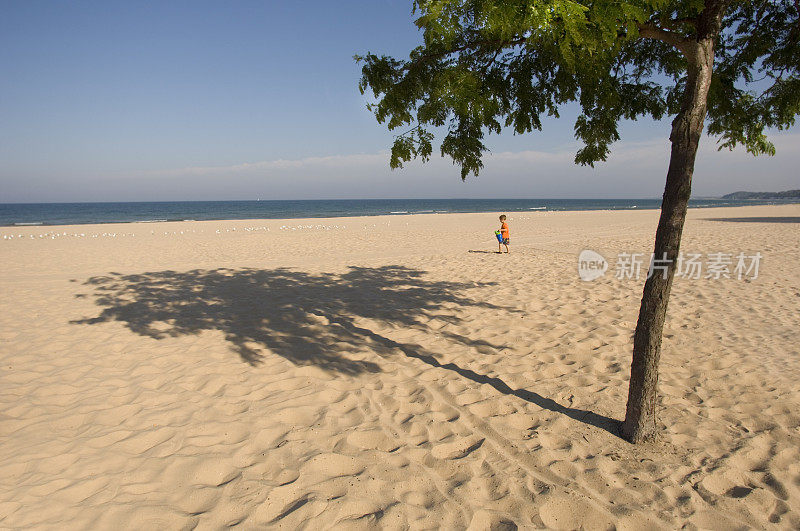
333, 465
490, 520
373, 440
279, 503
457, 449
359, 512
301, 416
564, 511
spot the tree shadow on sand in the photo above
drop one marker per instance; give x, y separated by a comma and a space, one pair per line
307, 318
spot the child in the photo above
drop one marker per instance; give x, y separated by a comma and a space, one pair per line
504, 234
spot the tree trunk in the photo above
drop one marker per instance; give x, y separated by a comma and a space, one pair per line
641, 417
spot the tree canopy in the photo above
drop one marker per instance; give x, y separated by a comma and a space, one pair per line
487, 65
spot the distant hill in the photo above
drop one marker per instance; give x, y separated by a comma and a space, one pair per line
788, 194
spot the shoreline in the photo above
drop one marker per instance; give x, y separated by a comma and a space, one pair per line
532, 211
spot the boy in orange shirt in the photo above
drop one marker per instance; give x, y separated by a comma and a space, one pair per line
504, 234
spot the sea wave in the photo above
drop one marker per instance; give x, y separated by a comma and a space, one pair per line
50, 214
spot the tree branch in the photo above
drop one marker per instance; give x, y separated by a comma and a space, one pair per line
709, 23
490, 62
674, 24
651, 31
497, 42
415, 128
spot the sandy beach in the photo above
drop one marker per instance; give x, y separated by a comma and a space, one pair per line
392, 372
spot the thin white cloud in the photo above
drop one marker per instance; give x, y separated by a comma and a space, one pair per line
333, 161
634, 169
622, 152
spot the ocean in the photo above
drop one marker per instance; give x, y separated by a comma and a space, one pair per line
21, 214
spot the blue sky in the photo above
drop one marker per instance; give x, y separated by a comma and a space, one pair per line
122, 101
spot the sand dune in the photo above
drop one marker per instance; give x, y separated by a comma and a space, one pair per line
373, 373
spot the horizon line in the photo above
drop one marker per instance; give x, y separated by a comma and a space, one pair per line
356, 199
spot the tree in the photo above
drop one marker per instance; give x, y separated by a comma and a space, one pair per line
485, 65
